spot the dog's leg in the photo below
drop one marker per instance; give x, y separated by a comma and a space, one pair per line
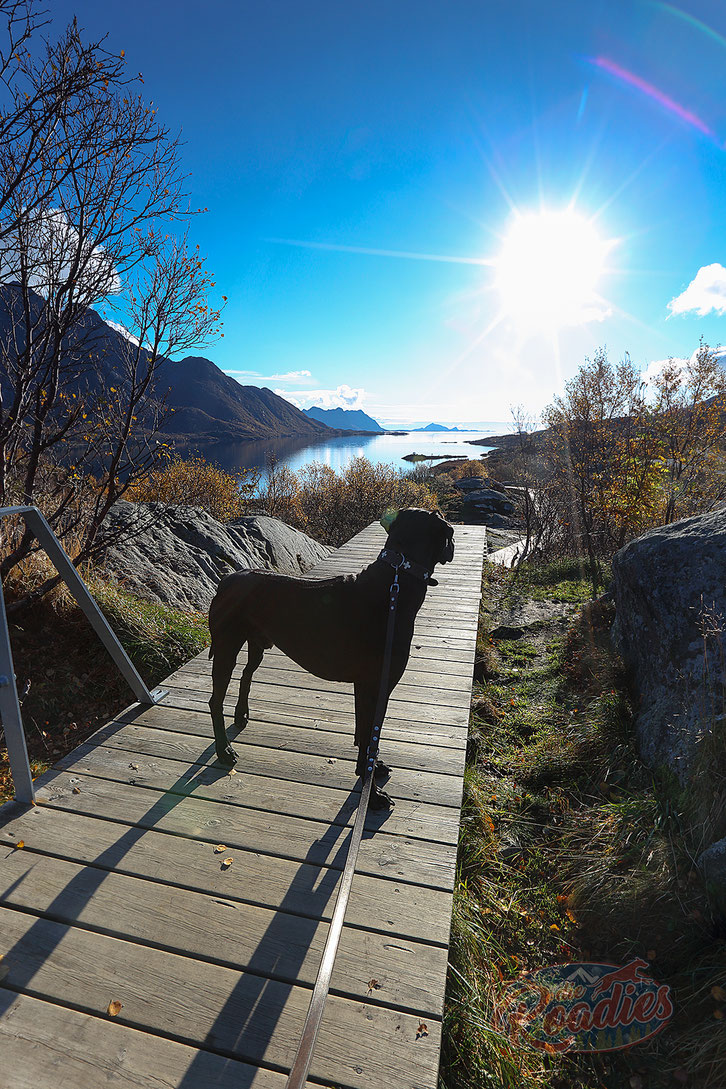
222, 665
365, 709
255, 653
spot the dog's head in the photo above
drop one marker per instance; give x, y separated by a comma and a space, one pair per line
421, 535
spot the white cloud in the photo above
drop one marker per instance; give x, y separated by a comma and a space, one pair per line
706, 292
655, 367
50, 249
289, 376
342, 397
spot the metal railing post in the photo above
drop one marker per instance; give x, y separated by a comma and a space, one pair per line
9, 704
10, 715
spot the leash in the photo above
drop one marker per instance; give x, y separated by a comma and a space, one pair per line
303, 1056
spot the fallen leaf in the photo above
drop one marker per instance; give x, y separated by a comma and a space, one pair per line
76, 790
718, 993
135, 767
718, 1014
19, 845
114, 1008
227, 863
220, 849
373, 985
231, 772
651, 954
422, 1030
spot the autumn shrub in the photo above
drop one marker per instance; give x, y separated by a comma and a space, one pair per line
333, 506
194, 482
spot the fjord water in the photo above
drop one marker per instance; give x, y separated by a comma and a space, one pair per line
337, 452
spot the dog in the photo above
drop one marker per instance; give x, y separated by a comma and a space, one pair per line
335, 628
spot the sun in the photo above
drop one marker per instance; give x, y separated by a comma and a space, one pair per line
549, 268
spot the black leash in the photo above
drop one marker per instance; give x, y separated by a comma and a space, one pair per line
303, 1056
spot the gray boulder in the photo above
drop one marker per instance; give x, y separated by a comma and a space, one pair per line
177, 555
488, 506
712, 864
665, 583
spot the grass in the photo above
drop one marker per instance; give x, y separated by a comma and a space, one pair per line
67, 681
572, 850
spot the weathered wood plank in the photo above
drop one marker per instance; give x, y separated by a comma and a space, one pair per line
279, 696
301, 888
46, 1046
207, 1005
280, 670
300, 681
384, 855
329, 805
299, 767
416, 753
237, 935
196, 720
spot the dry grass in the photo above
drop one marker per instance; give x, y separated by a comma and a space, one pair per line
572, 850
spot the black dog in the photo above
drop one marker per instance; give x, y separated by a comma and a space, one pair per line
335, 628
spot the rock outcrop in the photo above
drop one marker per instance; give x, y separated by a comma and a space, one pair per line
177, 555
670, 596
484, 504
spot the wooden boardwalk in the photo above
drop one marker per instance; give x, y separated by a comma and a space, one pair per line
118, 895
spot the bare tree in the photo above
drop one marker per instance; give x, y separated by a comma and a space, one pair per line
92, 188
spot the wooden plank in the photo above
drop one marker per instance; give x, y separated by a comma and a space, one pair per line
299, 767
383, 855
419, 820
280, 670
196, 720
415, 753
359, 1043
275, 944
279, 696
301, 888
46, 1046
300, 681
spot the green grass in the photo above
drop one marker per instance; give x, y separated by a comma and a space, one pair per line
565, 580
157, 638
571, 849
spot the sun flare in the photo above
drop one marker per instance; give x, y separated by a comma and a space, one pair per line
549, 268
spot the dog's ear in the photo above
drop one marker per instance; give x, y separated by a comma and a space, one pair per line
447, 552
388, 518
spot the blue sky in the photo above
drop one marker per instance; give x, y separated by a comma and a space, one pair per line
427, 128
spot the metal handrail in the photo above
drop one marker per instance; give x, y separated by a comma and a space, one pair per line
10, 715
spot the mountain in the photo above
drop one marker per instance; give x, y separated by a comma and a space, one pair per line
436, 427
344, 419
208, 405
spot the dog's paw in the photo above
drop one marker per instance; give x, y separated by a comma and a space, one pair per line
241, 719
227, 756
380, 800
382, 771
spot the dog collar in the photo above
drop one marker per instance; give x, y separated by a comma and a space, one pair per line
399, 561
